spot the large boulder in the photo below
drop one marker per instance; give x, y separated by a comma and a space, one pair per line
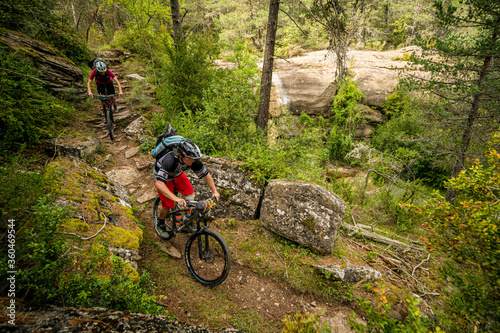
308, 83
76, 146
304, 213
240, 196
305, 90
59, 75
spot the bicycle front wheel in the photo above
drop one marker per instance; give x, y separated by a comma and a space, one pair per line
208, 258
109, 122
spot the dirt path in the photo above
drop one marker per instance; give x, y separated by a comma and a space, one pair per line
246, 300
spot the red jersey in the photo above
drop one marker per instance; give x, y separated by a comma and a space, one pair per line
107, 77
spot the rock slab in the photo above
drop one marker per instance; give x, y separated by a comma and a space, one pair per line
304, 213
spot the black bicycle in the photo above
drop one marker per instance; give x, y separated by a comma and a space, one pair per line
206, 254
108, 113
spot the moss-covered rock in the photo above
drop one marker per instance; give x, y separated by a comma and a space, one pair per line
92, 199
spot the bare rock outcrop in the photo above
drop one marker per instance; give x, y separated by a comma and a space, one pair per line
58, 74
350, 273
308, 83
304, 213
76, 146
240, 196
58, 319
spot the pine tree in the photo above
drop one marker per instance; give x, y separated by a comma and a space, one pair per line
464, 76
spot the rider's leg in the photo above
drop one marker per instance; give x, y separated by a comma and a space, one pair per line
166, 204
111, 92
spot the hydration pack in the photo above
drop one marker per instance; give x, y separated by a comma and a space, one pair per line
166, 142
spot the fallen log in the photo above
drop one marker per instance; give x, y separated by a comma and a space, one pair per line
381, 239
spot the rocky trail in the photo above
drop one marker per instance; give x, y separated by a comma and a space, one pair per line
244, 289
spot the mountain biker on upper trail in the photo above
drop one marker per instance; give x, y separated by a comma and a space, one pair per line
170, 178
104, 82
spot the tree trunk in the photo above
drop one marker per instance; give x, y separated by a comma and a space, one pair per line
471, 120
73, 11
267, 68
176, 21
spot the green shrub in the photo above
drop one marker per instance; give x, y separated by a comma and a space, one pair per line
379, 320
467, 232
346, 118
185, 72
304, 323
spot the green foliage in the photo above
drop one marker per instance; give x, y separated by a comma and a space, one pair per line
345, 110
395, 103
406, 136
468, 231
399, 31
346, 117
28, 16
68, 43
186, 72
304, 323
40, 259
379, 320
118, 292
28, 113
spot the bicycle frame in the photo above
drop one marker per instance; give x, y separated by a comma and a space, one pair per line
108, 113
194, 213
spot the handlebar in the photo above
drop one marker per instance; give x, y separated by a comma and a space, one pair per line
104, 97
203, 206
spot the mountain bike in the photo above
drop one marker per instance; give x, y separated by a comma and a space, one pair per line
206, 253
108, 113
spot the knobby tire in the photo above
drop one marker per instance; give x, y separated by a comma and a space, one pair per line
109, 123
207, 257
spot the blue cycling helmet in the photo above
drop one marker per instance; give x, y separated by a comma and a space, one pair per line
188, 148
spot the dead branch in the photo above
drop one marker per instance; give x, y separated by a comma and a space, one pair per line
415, 268
381, 239
87, 238
291, 18
281, 258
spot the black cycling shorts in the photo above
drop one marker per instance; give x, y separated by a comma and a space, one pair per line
106, 88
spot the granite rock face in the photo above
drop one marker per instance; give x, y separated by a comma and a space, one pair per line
304, 213
58, 74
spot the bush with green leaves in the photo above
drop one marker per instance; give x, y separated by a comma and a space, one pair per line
185, 71
468, 232
28, 113
346, 118
407, 137
304, 323
379, 319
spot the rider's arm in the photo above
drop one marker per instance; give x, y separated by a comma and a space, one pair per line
88, 87
162, 187
119, 85
91, 77
210, 182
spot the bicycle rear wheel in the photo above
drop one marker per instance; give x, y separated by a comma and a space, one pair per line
109, 122
208, 258
168, 224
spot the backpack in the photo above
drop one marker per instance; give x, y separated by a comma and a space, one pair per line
166, 142
92, 62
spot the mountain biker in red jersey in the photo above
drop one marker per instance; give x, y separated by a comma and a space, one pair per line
104, 82
170, 178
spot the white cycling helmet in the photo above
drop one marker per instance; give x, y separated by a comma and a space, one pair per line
100, 66
189, 149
